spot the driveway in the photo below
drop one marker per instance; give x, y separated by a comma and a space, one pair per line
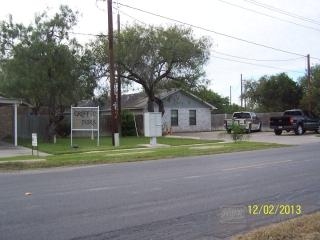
285, 138
8, 150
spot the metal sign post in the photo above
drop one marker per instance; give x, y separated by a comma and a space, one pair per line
34, 143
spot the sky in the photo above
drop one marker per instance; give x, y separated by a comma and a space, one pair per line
236, 28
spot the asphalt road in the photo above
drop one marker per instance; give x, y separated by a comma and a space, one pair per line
192, 198
267, 136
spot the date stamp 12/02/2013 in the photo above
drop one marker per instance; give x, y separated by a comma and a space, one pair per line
238, 214
274, 209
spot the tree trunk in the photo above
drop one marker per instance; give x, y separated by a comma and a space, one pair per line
54, 120
150, 105
50, 131
158, 101
160, 104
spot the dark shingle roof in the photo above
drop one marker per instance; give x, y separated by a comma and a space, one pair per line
140, 100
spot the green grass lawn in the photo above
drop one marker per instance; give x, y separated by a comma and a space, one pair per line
131, 150
63, 145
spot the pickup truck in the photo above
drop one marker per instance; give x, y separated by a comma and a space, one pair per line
295, 120
247, 120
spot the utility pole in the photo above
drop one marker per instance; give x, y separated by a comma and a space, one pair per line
245, 101
309, 82
241, 97
230, 96
119, 79
244, 82
114, 131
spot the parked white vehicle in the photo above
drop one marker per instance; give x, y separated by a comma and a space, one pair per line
247, 120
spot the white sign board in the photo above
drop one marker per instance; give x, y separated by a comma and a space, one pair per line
34, 138
85, 119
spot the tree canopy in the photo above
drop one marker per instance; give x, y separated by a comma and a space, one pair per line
221, 103
43, 65
158, 58
314, 96
273, 93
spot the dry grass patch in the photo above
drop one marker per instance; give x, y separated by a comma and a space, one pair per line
302, 228
24, 161
206, 147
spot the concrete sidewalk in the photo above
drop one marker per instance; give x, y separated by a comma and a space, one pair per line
270, 137
8, 150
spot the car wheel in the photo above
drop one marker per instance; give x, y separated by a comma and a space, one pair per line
260, 126
249, 129
277, 132
299, 130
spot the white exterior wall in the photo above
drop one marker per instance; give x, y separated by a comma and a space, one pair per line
203, 120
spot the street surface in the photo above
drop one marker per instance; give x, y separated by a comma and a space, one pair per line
185, 198
285, 138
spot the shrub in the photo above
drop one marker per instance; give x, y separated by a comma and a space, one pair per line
63, 129
127, 123
237, 132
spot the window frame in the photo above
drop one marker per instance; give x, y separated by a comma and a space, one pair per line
174, 120
193, 118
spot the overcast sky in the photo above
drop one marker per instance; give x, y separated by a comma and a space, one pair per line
256, 21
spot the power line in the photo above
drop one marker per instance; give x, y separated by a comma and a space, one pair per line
258, 60
250, 59
221, 53
215, 32
315, 58
284, 12
254, 64
270, 16
135, 19
88, 34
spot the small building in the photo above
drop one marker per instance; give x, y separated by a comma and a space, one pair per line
184, 112
9, 117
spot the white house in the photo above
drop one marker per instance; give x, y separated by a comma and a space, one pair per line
184, 112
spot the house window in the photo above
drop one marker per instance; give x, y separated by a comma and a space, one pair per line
174, 117
192, 117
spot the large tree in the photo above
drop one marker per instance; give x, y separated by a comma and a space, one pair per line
312, 97
221, 103
157, 58
273, 93
43, 65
